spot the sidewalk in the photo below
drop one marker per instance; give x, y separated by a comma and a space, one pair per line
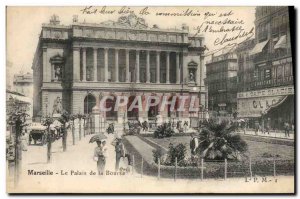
272, 134
142, 147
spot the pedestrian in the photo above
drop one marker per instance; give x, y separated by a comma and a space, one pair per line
100, 158
104, 152
267, 129
257, 126
186, 124
120, 152
287, 129
194, 144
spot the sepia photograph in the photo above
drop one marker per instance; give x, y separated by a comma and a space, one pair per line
150, 99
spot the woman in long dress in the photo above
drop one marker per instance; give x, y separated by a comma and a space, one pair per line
100, 154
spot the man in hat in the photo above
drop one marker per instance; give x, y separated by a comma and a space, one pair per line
120, 152
194, 144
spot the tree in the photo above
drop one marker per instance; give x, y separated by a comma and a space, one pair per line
47, 122
178, 152
64, 119
219, 140
80, 116
84, 118
17, 117
72, 118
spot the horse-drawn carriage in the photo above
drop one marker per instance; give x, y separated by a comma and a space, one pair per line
37, 134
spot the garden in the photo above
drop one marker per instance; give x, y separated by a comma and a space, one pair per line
219, 145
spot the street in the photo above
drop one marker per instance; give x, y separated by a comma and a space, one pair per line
72, 173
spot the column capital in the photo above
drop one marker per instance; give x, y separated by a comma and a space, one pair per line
83, 49
158, 52
117, 49
95, 48
127, 50
106, 49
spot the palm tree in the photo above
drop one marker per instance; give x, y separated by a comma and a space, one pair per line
47, 122
64, 119
219, 140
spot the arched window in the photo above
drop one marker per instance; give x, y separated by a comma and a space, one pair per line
110, 104
173, 113
134, 113
89, 103
153, 110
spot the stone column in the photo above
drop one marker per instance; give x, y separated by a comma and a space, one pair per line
84, 64
148, 66
202, 72
52, 78
177, 68
206, 100
168, 67
76, 64
116, 65
95, 64
44, 64
137, 66
157, 67
127, 65
105, 64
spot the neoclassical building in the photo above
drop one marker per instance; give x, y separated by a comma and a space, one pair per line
76, 65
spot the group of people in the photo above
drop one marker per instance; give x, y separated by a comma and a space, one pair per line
265, 128
101, 154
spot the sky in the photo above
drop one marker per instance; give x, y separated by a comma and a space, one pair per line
24, 25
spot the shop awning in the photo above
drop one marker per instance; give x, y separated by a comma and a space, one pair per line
276, 104
258, 47
281, 42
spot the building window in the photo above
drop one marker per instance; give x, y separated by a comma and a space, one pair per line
287, 70
267, 74
279, 72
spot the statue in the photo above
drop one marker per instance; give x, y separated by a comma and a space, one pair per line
192, 78
57, 73
57, 106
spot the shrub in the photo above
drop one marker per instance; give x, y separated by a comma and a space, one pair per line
158, 154
164, 130
178, 151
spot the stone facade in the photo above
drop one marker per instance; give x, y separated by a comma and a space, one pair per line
81, 63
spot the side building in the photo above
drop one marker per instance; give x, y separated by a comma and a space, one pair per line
23, 83
221, 78
268, 98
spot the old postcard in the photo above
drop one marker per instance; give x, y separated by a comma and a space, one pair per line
148, 99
